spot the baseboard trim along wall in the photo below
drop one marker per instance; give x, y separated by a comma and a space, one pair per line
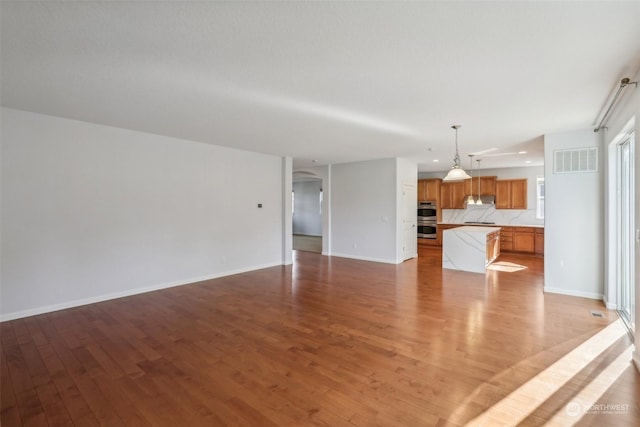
364, 258
609, 305
573, 293
80, 302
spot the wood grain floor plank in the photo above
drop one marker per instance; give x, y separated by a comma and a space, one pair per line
9, 413
325, 342
53, 405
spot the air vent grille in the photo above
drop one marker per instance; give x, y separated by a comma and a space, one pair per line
575, 160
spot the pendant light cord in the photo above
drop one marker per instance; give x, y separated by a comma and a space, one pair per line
456, 159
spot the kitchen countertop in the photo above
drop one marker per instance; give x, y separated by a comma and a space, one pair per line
485, 229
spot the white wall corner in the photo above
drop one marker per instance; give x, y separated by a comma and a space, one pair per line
287, 218
608, 304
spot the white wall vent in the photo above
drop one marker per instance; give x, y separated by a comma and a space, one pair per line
575, 160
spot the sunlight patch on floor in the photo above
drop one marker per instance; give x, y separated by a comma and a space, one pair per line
582, 402
525, 399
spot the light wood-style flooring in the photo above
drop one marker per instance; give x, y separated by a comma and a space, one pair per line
302, 242
328, 342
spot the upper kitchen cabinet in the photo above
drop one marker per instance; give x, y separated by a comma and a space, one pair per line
487, 186
433, 189
422, 190
453, 194
511, 194
429, 190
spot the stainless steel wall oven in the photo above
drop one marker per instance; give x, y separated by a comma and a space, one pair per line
427, 220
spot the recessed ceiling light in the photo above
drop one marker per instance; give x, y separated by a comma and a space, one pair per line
522, 152
435, 160
527, 161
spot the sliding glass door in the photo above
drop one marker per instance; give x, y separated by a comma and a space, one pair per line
625, 232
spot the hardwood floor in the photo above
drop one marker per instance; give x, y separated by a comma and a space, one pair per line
327, 341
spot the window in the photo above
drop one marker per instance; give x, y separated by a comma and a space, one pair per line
293, 203
540, 198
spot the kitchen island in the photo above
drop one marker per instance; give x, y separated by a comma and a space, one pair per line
470, 248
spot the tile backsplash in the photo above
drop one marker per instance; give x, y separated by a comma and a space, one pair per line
491, 214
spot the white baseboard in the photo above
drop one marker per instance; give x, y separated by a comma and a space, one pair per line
99, 298
364, 258
573, 293
609, 305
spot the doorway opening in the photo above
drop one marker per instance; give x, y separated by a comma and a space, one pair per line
307, 201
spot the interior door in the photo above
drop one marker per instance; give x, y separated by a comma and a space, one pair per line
409, 222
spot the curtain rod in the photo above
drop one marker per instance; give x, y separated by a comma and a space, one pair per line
623, 83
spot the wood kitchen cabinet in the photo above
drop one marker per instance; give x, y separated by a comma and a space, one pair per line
487, 186
422, 190
523, 239
511, 194
429, 190
518, 239
452, 194
539, 241
528, 240
493, 247
506, 239
433, 190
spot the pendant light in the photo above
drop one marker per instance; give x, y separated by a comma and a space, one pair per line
470, 200
456, 173
479, 202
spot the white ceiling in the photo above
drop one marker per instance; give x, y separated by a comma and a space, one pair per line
325, 81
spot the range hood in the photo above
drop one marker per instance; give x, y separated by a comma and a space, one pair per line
486, 201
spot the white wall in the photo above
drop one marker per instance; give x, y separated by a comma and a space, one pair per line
93, 212
307, 217
364, 210
574, 216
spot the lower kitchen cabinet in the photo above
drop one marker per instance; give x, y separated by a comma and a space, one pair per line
523, 239
506, 239
539, 241
512, 239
